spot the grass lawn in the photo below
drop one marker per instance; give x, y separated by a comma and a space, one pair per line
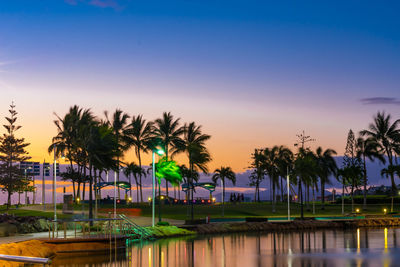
241, 210
252, 210
259, 209
24, 212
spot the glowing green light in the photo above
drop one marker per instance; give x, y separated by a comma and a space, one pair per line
160, 152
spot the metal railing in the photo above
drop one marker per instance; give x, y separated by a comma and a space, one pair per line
130, 227
24, 259
101, 226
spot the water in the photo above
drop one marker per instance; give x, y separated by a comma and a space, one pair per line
358, 247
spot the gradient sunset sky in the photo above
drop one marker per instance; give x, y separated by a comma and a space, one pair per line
253, 73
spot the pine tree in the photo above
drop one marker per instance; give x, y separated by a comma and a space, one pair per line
12, 151
352, 170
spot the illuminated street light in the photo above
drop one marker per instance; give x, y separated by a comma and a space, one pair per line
160, 152
54, 185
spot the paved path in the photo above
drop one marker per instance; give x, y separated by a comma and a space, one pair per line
25, 237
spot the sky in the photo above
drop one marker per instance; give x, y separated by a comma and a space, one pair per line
252, 73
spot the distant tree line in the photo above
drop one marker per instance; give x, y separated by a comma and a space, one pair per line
310, 171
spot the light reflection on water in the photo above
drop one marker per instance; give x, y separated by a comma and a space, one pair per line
356, 247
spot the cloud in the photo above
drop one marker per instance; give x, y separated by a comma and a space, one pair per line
380, 101
114, 4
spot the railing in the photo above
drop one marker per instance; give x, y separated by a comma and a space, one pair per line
24, 259
132, 227
101, 226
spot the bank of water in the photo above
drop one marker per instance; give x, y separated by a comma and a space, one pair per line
332, 247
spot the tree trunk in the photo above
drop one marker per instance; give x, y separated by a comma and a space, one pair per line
343, 198
273, 197
255, 194
8, 199
301, 201
137, 190
83, 191
140, 176
73, 189
313, 200
308, 197
365, 185
90, 195
352, 197
322, 194
223, 197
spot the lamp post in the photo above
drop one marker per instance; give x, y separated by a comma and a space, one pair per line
288, 195
54, 185
26, 189
115, 194
153, 206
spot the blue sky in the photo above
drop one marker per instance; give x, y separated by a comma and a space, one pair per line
253, 73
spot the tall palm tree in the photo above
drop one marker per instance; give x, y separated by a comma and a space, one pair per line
140, 135
68, 139
387, 135
137, 172
102, 151
305, 171
326, 166
119, 125
224, 173
258, 173
271, 164
368, 148
167, 129
188, 175
285, 163
194, 145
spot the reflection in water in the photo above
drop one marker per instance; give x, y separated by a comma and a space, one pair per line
358, 247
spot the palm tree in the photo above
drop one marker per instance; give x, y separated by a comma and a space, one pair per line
352, 174
119, 125
193, 144
140, 135
387, 135
390, 170
222, 174
188, 175
271, 164
368, 148
168, 131
285, 163
326, 166
305, 171
258, 173
102, 151
68, 139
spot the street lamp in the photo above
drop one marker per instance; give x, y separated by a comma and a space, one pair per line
153, 209
288, 194
26, 179
45, 168
54, 184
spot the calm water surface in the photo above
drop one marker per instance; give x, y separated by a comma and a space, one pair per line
359, 247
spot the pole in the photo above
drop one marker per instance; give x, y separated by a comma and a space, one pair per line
115, 194
288, 195
43, 188
26, 197
153, 206
54, 187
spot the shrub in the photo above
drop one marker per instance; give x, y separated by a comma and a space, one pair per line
163, 224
